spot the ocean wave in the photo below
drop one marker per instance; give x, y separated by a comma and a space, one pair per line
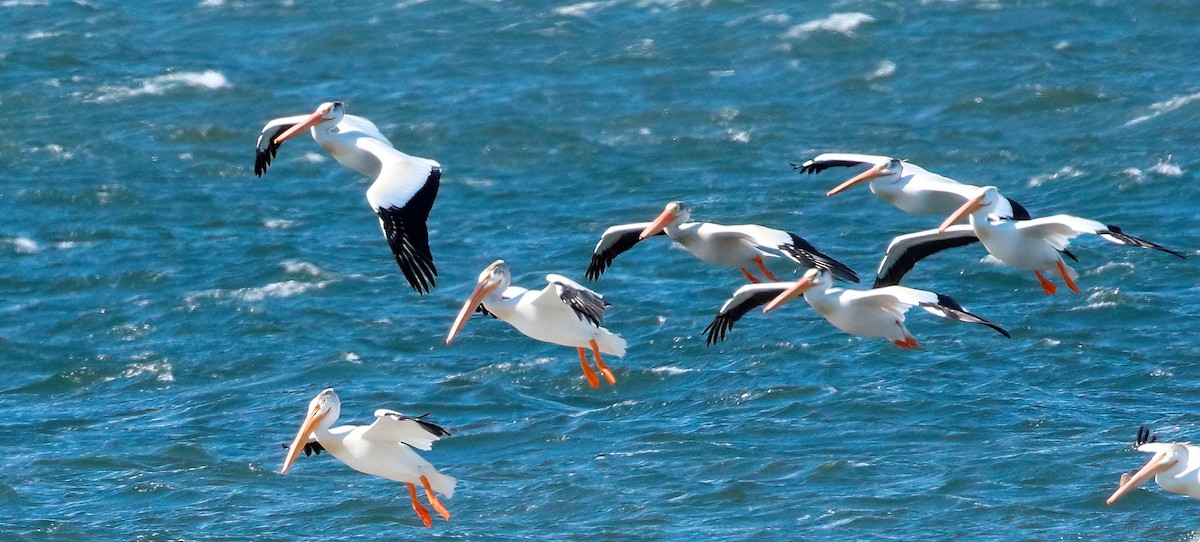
1066, 172
1164, 107
841, 23
287, 288
162, 84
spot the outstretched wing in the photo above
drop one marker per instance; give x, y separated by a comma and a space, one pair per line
267, 148
792, 246
392, 426
587, 304
743, 301
615, 240
906, 250
839, 159
402, 196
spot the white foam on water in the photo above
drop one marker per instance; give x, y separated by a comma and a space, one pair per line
885, 69
162, 84
841, 23
581, 9
287, 288
1164, 107
24, 245
1066, 172
670, 370
1166, 168
279, 223
297, 266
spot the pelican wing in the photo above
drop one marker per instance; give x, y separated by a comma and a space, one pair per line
402, 195
586, 304
267, 148
839, 159
790, 245
615, 240
392, 426
898, 299
1058, 230
743, 301
906, 250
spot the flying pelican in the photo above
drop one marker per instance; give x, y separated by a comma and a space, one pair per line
1033, 245
404, 186
384, 449
733, 246
908, 186
866, 313
563, 313
1175, 466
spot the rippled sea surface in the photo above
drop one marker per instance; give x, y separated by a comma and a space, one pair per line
165, 316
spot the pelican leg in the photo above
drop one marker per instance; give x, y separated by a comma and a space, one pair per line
1062, 270
604, 370
766, 272
1048, 286
433, 500
908, 343
749, 276
587, 369
421, 510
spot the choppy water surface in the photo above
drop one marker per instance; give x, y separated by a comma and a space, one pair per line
165, 316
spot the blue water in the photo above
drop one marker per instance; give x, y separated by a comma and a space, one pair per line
165, 316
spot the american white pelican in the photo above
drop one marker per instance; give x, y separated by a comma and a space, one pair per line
908, 186
404, 186
734, 246
1175, 466
866, 313
563, 313
1036, 244
384, 449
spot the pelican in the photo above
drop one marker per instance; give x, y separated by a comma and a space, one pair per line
403, 189
734, 246
383, 449
1175, 466
911, 188
563, 313
866, 313
1033, 245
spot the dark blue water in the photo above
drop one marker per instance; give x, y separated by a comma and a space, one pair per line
165, 316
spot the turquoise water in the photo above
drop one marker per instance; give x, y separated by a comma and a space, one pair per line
165, 316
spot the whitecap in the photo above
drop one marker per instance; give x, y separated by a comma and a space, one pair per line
286, 288
1166, 168
670, 370
24, 245
580, 10
1167, 106
884, 69
297, 266
161, 84
161, 369
842, 23
1066, 172
279, 223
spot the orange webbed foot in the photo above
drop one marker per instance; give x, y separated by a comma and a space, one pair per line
1048, 286
593, 381
422, 512
433, 500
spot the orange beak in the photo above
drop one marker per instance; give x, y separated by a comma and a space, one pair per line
659, 223
972, 205
481, 290
1154, 466
312, 120
867, 175
306, 429
796, 290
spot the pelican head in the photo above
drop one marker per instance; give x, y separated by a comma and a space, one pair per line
494, 277
322, 410
326, 112
813, 278
889, 170
676, 212
1166, 455
984, 200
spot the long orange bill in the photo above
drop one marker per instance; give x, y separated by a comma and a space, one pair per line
796, 290
301, 439
298, 129
659, 223
468, 309
1154, 466
867, 175
972, 205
